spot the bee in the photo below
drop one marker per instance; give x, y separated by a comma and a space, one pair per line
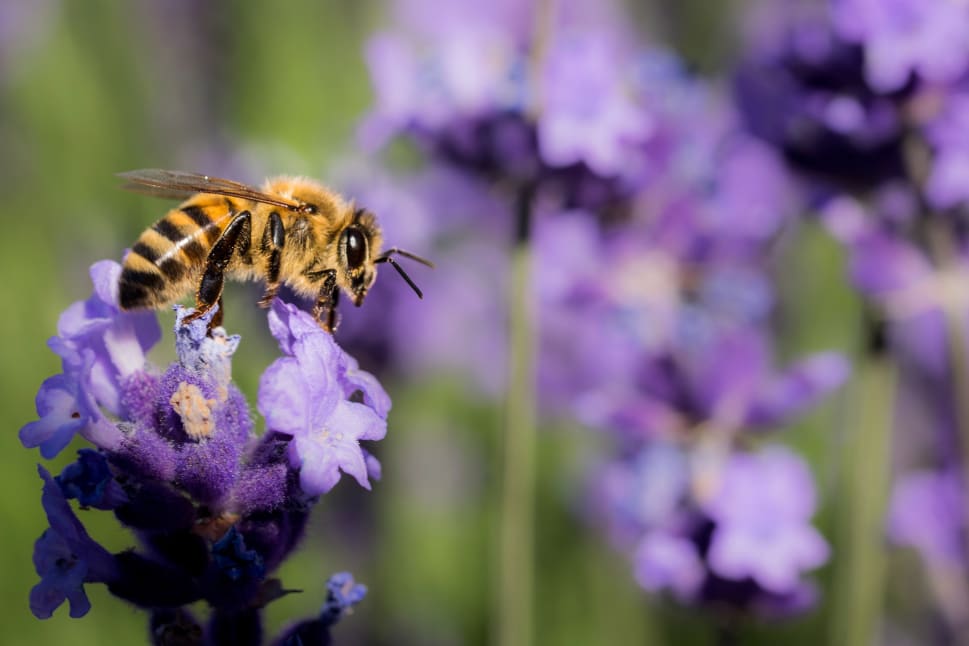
293, 231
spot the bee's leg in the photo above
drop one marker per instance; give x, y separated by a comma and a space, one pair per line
219, 315
325, 310
238, 235
331, 317
273, 239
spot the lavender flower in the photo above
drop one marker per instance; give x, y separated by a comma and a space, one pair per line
889, 81
908, 37
948, 135
100, 348
735, 532
803, 89
589, 112
342, 594
577, 125
927, 513
762, 512
66, 558
215, 508
650, 213
305, 396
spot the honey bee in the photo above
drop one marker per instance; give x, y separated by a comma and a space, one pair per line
292, 231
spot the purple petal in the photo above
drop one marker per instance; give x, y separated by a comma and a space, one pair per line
281, 397
60, 417
881, 263
65, 557
665, 561
927, 512
774, 556
799, 389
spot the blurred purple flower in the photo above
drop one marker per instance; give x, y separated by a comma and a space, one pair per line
948, 134
929, 39
724, 380
901, 279
589, 112
926, 512
802, 89
665, 561
22, 26
716, 527
762, 510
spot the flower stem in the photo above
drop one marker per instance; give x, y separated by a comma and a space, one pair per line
515, 585
859, 581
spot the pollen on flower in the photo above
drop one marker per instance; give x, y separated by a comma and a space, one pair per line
194, 410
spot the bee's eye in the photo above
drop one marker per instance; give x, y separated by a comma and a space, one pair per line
356, 247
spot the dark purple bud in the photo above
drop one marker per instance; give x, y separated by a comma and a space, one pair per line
90, 481
234, 561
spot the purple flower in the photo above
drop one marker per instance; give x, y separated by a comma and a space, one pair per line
906, 37
589, 114
91, 482
306, 395
948, 134
665, 561
926, 512
342, 593
762, 510
22, 28
715, 527
215, 509
199, 426
901, 279
66, 558
100, 347
643, 492
119, 340
427, 89
64, 411
234, 561
802, 89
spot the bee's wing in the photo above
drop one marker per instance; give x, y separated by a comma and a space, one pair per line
177, 184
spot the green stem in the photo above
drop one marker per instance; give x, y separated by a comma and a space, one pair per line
515, 585
859, 577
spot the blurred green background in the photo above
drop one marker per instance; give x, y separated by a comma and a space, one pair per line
91, 88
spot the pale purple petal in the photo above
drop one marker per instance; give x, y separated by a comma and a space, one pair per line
927, 512
799, 388
665, 561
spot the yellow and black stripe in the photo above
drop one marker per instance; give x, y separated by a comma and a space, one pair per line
167, 256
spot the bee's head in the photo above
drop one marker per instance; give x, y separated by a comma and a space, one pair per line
358, 246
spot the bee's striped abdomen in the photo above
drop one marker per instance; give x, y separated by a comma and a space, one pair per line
169, 256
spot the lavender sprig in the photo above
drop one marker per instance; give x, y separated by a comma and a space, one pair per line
215, 508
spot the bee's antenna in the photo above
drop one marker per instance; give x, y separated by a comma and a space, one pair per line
406, 254
400, 270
